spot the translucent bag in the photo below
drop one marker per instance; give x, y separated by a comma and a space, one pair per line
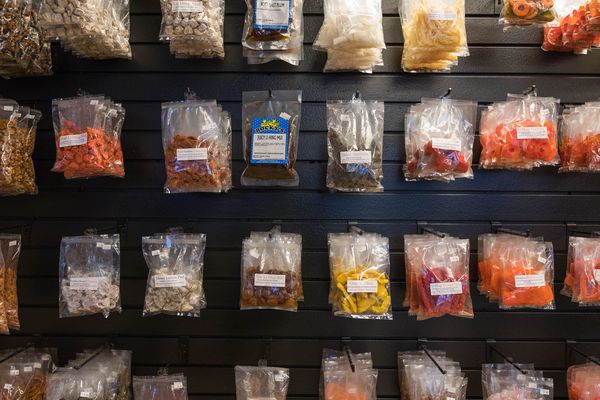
273, 30
571, 31
527, 12
583, 381
271, 271
434, 34
89, 275
197, 146
22, 380
271, 126
18, 126
175, 278
10, 249
582, 281
261, 382
355, 145
193, 28
580, 139
439, 140
88, 137
352, 35
162, 387
520, 133
347, 376
4, 330
359, 266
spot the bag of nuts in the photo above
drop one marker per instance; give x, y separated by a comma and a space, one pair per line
89, 275
194, 28
10, 249
197, 145
271, 275
271, 125
355, 145
175, 278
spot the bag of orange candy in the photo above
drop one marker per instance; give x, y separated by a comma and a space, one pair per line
582, 281
347, 376
527, 12
583, 381
580, 139
520, 133
439, 140
88, 137
571, 31
516, 270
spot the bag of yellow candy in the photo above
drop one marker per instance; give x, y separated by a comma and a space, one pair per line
359, 265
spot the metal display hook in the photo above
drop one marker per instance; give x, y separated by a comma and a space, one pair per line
91, 357
95, 231
492, 349
447, 95
353, 228
497, 228
16, 352
531, 90
346, 341
421, 344
265, 352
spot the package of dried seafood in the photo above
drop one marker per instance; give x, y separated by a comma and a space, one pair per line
175, 263
10, 247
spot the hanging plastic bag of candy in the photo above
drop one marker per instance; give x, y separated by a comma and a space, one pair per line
10, 249
359, 265
520, 133
582, 281
439, 140
273, 30
88, 137
583, 381
175, 274
434, 34
89, 275
527, 12
438, 281
571, 30
197, 146
261, 382
161, 387
193, 28
271, 271
352, 35
580, 139
355, 145
347, 376
271, 126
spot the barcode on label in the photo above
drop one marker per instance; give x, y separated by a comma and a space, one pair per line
362, 286
532, 132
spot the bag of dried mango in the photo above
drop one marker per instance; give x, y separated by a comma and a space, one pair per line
359, 265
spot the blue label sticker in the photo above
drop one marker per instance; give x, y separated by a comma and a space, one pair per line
269, 144
272, 14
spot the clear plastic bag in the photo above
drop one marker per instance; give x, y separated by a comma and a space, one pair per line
439, 140
438, 276
89, 275
88, 137
4, 330
162, 387
571, 31
359, 265
352, 35
271, 271
18, 126
175, 274
22, 379
10, 249
434, 34
355, 145
261, 382
347, 376
197, 146
582, 281
273, 31
271, 126
193, 28
583, 381
515, 381
520, 133
527, 12
580, 139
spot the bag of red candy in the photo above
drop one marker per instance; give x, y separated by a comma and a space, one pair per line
576, 30
439, 140
437, 276
88, 137
580, 139
520, 133
582, 281
583, 382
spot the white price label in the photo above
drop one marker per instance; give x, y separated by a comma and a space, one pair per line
441, 15
355, 157
37, 365
86, 394
532, 132
269, 146
177, 385
542, 259
526, 281
193, 154
454, 258
12, 243
93, 102
272, 14
30, 116
194, 6
597, 275
544, 392
73, 140
27, 369
453, 144
285, 115
46, 357
445, 288
84, 283
362, 286
169, 281
13, 372
279, 377
532, 385
7, 386
8, 108
104, 246
269, 280
155, 252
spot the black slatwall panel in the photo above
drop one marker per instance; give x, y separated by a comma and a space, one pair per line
541, 200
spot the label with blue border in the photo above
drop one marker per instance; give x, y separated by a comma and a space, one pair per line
272, 14
269, 144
